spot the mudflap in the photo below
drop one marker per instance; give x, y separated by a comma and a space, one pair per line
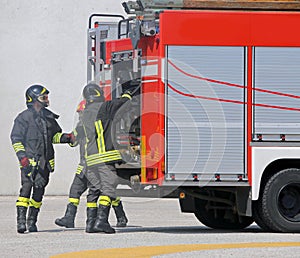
187, 202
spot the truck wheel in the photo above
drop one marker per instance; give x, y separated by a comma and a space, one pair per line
220, 218
256, 213
280, 201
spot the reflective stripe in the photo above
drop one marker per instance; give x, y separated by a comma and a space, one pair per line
22, 201
75, 201
91, 204
100, 136
104, 157
79, 169
52, 164
75, 132
43, 91
56, 138
32, 162
24, 204
18, 146
126, 95
33, 203
104, 200
116, 202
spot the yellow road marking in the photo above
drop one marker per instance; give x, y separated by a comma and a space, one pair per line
149, 251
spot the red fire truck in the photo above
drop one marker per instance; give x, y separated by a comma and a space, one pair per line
215, 120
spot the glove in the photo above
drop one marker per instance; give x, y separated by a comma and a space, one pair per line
39, 181
68, 138
72, 138
24, 162
26, 167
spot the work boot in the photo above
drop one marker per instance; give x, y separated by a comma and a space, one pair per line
120, 214
32, 219
91, 215
101, 223
21, 219
68, 220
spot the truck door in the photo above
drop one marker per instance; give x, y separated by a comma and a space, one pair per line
205, 107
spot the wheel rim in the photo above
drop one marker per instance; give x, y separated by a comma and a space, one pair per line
289, 202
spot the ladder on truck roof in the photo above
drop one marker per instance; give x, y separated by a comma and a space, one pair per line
141, 5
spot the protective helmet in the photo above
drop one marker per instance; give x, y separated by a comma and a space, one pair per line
37, 93
81, 106
93, 93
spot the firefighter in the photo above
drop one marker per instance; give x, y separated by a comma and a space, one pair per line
80, 183
94, 97
32, 136
101, 157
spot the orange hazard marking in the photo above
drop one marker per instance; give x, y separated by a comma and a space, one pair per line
149, 251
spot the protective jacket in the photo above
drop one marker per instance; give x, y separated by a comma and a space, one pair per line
88, 125
33, 135
101, 147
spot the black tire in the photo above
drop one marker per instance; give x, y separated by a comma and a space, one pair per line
257, 216
220, 219
280, 201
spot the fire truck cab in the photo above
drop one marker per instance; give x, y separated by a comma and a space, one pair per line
215, 117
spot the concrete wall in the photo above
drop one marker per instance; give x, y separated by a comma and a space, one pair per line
44, 42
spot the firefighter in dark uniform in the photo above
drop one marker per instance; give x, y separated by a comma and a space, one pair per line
33, 134
101, 157
80, 183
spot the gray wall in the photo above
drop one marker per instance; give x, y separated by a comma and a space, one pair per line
44, 42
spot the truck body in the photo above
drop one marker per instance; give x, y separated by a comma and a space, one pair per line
215, 118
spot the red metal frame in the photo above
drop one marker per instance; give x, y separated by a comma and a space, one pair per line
152, 110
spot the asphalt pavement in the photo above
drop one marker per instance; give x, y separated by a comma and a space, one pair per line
156, 228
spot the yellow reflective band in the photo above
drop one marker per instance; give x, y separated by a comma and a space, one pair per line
126, 96
32, 162
101, 161
75, 132
116, 202
104, 200
100, 136
33, 203
74, 144
29, 99
102, 158
52, 164
98, 94
43, 91
105, 155
75, 201
22, 201
18, 146
23, 204
91, 205
79, 169
56, 138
